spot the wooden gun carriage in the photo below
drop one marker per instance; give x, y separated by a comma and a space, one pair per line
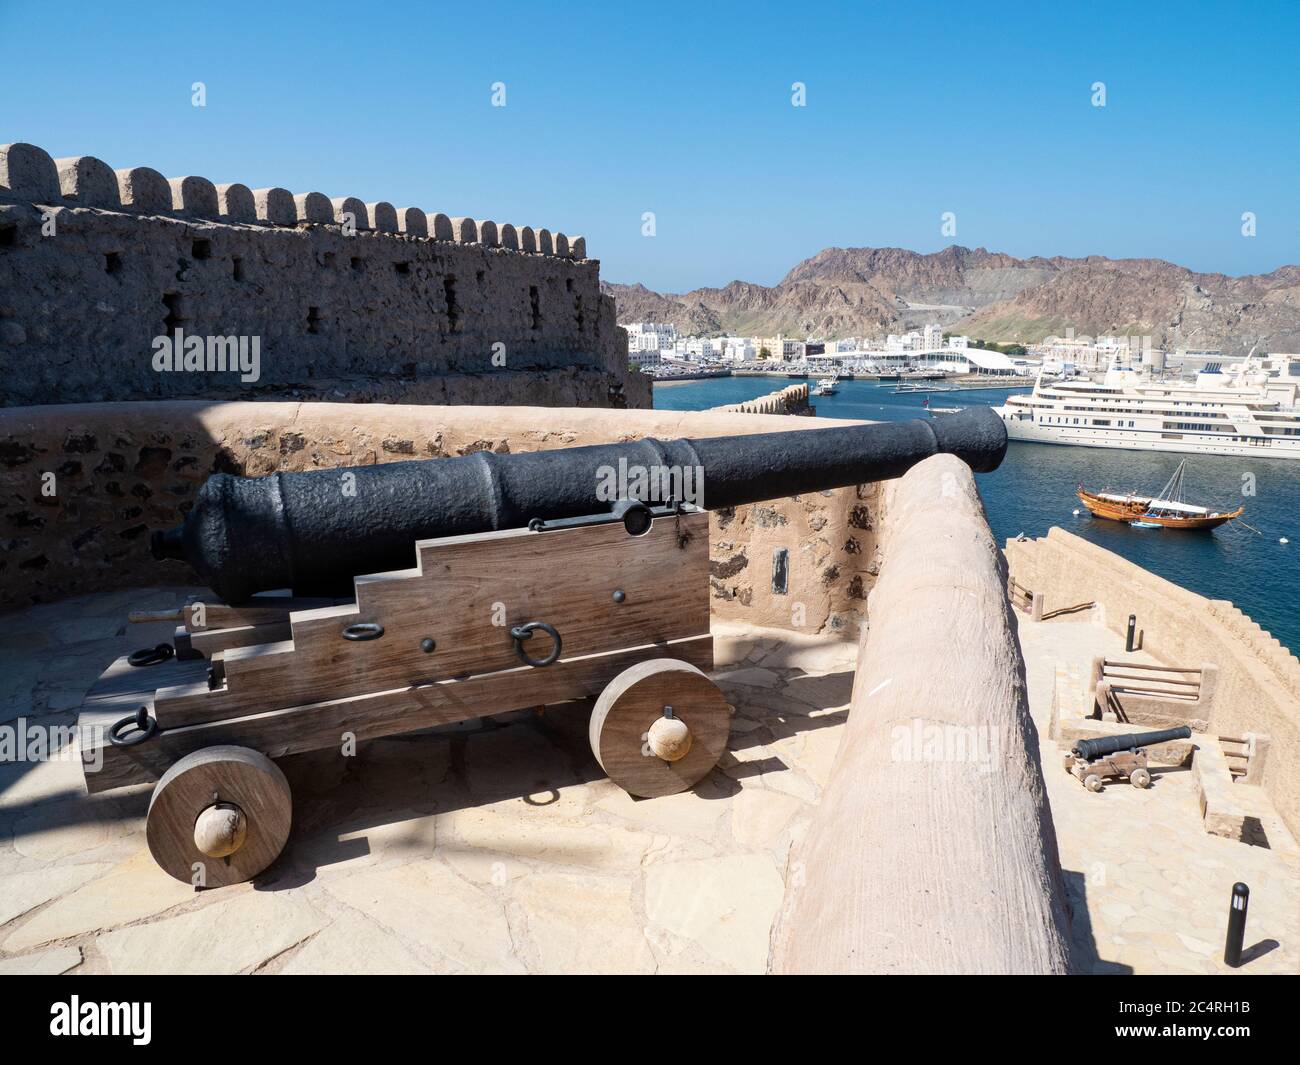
621, 618
518, 597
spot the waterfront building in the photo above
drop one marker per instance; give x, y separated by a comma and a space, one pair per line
644, 358
739, 349
780, 348
651, 336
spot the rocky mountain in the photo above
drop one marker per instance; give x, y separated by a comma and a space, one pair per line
842, 292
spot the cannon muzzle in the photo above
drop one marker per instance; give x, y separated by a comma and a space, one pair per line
316, 530
1128, 741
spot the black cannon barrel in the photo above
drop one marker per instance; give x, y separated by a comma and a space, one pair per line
314, 531
1091, 749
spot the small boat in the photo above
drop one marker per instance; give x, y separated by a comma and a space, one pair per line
825, 387
1165, 510
939, 410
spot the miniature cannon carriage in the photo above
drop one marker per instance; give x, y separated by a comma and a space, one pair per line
1094, 761
519, 596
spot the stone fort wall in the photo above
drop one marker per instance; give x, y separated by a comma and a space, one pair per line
790, 400
348, 300
1259, 679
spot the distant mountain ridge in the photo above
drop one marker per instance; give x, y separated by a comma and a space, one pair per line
842, 292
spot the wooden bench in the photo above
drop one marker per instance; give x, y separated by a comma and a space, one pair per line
1156, 695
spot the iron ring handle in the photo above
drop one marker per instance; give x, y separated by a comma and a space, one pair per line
363, 630
144, 725
520, 633
151, 656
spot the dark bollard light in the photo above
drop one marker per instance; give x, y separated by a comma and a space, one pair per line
1236, 925
1132, 631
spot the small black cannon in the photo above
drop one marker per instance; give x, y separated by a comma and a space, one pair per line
1092, 761
314, 531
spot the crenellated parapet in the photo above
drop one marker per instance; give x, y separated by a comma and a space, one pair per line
129, 284
27, 173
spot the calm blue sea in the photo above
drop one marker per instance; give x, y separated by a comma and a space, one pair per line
1034, 490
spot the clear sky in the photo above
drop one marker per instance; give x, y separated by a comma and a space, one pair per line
684, 109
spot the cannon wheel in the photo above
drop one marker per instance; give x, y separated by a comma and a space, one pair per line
1092, 782
219, 816
645, 751
1140, 778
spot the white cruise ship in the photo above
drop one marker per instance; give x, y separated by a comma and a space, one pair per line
1250, 410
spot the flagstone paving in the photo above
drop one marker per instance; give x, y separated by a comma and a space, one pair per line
1149, 886
498, 846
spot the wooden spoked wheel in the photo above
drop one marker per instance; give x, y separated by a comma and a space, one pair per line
659, 726
219, 816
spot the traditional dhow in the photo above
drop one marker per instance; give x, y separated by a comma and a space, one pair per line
1164, 510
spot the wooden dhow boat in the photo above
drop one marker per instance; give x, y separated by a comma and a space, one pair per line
1164, 510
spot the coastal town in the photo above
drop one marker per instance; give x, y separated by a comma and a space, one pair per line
657, 350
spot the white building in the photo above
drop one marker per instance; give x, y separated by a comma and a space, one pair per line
643, 358
906, 342
739, 349
650, 336
932, 337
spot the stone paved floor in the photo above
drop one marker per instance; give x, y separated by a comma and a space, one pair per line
1149, 886
499, 847
496, 846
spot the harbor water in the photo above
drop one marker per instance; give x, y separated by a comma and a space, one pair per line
1243, 562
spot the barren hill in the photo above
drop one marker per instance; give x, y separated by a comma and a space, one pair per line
871, 291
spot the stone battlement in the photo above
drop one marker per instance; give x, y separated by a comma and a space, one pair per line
346, 299
29, 174
790, 400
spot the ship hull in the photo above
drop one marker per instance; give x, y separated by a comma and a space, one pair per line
1135, 511
1136, 440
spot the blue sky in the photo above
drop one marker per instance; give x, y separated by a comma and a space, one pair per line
616, 109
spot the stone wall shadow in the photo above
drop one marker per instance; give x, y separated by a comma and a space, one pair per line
1084, 958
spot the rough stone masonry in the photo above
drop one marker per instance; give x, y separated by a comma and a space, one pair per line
103, 271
